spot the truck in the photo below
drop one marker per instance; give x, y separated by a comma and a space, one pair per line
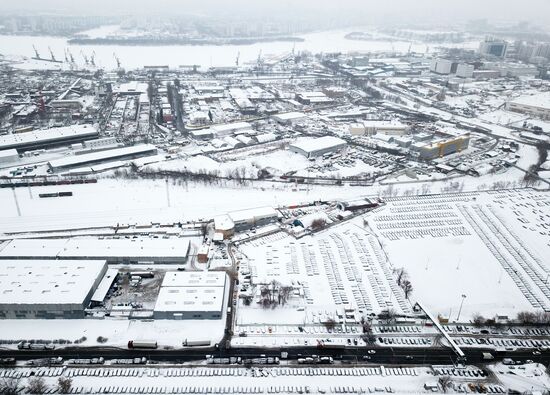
142, 344
487, 356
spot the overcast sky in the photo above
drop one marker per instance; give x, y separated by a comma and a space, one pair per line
438, 11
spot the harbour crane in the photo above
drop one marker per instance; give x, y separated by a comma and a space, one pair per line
92, 59
117, 60
37, 55
84, 56
238, 56
52, 55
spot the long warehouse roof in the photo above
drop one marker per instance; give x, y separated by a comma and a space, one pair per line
46, 136
75, 160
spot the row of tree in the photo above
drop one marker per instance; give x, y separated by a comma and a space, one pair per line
35, 385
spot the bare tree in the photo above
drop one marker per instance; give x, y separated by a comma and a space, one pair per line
526, 317
330, 323
445, 382
318, 223
478, 320
10, 386
407, 288
37, 385
64, 385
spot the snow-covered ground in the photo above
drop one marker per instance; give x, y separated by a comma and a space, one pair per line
168, 333
487, 246
340, 268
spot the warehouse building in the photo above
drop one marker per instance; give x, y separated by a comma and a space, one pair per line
48, 289
8, 156
95, 158
192, 296
537, 105
312, 148
289, 118
114, 251
47, 138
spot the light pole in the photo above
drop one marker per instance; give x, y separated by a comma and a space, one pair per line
460, 309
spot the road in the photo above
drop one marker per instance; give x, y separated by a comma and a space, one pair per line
382, 356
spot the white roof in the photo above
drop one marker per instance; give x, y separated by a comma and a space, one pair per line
75, 160
312, 145
8, 153
47, 135
231, 126
253, 213
104, 286
384, 124
199, 299
541, 100
194, 279
94, 247
47, 281
290, 116
223, 222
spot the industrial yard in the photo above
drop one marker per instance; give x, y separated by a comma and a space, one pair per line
377, 215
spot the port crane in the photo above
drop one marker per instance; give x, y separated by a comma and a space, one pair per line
117, 60
52, 55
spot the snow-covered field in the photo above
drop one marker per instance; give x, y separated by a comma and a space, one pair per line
487, 246
168, 333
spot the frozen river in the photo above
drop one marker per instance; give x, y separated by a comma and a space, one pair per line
132, 57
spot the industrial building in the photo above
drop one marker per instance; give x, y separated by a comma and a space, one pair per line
440, 148
244, 219
192, 296
289, 118
312, 148
114, 251
48, 288
8, 156
102, 156
443, 66
231, 128
392, 127
536, 105
47, 138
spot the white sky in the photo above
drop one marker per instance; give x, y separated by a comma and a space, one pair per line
411, 11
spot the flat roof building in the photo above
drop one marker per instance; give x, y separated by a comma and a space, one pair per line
315, 147
48, 288
102, 156
192, 295
48, 137
537, 105
115, 251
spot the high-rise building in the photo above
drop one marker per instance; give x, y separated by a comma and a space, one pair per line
493, 47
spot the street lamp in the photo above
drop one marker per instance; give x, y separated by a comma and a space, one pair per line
460, 309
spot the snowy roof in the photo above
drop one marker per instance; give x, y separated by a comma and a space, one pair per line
253, 214
47, 135
175, 299
8, 153
104, 286
223, 222
102, 155
94, 247
384, 124
290, 116
321, 143
541, 100
231, 126
194, 279
48, 281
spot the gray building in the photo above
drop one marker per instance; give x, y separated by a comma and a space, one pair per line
48, 288
312, 148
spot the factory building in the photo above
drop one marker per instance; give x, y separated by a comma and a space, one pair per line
312, 148
47, 138
443, 66
95, 158
537, 105
438, 149
48, 289
464, 70
192, 296
114, 251
231, 128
